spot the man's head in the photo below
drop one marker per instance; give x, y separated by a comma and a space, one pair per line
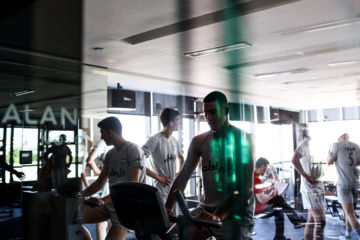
169, 116
261, 165
216, 109
62, 138
108, 127
343, 137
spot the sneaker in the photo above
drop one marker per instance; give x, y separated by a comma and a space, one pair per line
344, 238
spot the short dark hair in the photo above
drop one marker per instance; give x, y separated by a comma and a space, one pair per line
167, 115
261, 161
111, 123
216, 96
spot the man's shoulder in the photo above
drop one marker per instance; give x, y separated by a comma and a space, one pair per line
154, 137
354, 144
238, 131
111, 151
200, 137
131, 145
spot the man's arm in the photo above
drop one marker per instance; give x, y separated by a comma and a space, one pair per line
91, 144
69, 153
297, 165
181, 161
189, 167
85, 181
134, 174
91, 162
275, 176
330, 160
70, 161
162, 179
97, 185
274, 173
7, 167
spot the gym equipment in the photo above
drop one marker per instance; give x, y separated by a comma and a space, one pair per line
140, 207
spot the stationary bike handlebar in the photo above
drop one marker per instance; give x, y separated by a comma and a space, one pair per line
189, 219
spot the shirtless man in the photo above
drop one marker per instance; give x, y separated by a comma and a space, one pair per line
227, 170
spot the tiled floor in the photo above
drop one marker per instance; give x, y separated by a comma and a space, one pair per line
264, 228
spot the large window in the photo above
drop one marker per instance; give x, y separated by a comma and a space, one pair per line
134, 128
24, 139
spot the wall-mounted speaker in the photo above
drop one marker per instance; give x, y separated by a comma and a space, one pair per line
279, 116
119, 99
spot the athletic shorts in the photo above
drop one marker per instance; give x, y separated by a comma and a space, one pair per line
109, 209
347, 194
232, 228
313, 200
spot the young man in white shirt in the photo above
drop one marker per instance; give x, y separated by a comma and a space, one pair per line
124, 162
346, 157
164, 150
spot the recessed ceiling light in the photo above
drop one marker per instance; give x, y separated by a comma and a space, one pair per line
320, 27
98, 49
278, 74
302, 80
22, 92
218, 49
338, 64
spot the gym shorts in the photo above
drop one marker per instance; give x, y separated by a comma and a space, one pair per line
313, 200
232, 227
109, 209
346, 193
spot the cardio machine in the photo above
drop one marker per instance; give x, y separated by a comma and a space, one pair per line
140, 207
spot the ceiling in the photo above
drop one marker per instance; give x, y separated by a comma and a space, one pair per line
144, 44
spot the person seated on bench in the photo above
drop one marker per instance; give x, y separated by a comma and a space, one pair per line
266, 202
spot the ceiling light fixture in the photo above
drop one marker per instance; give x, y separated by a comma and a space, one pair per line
218, 49
302, 80
320, 27
98, 49
23, 92
278, 74
338, 64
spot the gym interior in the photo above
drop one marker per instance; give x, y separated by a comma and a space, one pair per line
64, 66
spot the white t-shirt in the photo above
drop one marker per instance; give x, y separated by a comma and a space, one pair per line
303, 150
118, 162
347, 156
101, 149
164, 152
